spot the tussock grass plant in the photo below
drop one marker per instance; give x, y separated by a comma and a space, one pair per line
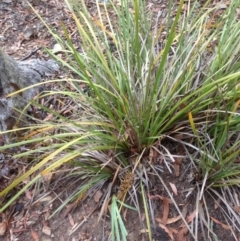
144, 83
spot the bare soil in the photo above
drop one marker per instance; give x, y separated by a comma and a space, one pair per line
22, 36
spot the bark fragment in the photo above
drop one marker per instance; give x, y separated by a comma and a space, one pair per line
16, 75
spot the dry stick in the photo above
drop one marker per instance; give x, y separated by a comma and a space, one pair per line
30, 54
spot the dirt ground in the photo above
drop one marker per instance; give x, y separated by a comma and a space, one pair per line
22, 36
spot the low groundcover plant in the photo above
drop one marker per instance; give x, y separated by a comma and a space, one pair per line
139, 84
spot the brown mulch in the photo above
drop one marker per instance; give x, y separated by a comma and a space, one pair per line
22, 36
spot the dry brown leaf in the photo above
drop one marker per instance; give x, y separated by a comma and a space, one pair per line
159, 196
170, 220
68, 110
166, 202
236, 208
181, 236
98, 194
174, 189
225, 226
191, 216
143, 231
177, 169
143, 217
173, 230
69, 208
71, 221
167, 230
3, 227
46, 199
46, 230
175, 219
28, 194
165, 211
34, 235
48, 117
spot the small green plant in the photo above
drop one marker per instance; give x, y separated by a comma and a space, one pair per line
138, 84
